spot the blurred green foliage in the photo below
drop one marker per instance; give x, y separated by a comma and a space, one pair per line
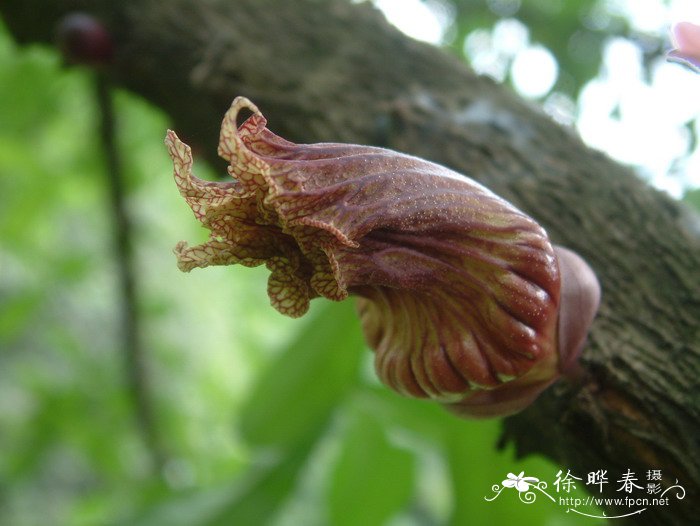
263, 419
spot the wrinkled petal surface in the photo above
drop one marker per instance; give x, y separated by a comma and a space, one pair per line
458, 290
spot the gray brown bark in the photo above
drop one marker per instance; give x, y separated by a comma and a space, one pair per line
332, 71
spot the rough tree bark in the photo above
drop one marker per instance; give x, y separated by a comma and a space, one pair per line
333, 71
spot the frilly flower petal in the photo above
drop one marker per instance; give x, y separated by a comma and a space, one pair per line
458, 290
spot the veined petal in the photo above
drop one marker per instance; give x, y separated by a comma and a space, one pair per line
458, 289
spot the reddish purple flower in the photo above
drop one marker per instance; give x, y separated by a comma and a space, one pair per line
460, 293
686, 39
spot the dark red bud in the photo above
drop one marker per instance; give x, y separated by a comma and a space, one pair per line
84, 40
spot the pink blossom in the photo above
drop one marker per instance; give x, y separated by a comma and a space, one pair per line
686, 39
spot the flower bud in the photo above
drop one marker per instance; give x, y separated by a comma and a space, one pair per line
84, 40
459, 291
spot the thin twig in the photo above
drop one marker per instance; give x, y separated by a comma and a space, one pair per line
135, 364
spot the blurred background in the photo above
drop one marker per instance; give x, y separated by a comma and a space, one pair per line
231, 413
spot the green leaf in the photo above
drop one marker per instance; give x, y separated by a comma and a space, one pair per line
425, 418
373, 479
300, 389
259, 501
18, 311
253, 499
474, 467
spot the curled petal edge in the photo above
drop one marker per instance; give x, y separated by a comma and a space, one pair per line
461, 295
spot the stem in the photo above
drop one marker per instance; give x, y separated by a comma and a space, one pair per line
135, 368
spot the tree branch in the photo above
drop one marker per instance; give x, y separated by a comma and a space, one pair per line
332, 71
